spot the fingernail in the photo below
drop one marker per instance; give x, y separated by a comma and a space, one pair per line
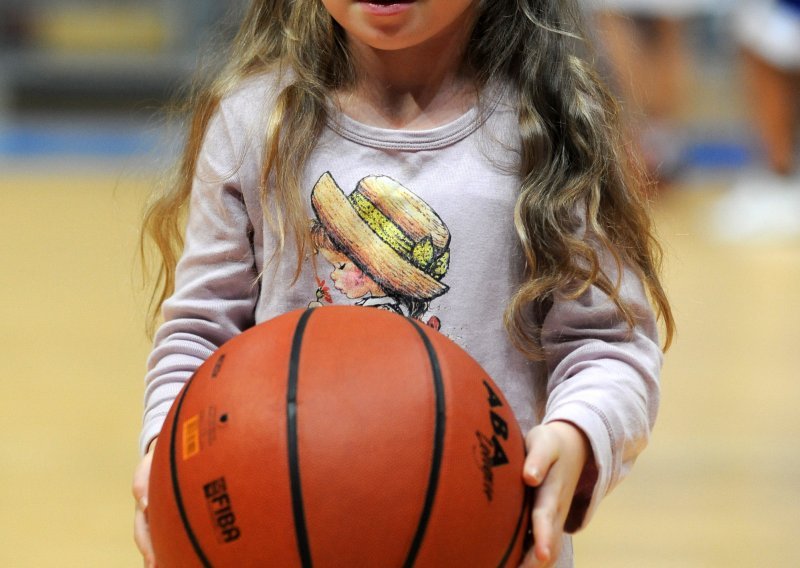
534, 474
143, 503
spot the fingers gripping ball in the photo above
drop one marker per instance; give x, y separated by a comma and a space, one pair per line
339, 436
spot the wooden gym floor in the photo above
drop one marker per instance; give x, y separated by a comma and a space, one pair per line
718, 487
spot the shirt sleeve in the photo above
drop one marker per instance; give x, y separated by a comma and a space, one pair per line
604, 379
216, 285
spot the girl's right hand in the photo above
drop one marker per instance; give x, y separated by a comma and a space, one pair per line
141, 530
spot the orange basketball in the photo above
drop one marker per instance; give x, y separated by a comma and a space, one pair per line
339, 436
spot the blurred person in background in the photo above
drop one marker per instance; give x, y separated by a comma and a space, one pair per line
769, 34
764, 202
650, 64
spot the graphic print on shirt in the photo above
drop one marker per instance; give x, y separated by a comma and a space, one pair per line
388, 248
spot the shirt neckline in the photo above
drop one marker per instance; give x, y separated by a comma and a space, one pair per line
410, 140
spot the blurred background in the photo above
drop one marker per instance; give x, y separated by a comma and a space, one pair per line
712, 93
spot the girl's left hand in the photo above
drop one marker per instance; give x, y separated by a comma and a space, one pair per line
557, 454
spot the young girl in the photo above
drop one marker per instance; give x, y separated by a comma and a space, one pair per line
458, 156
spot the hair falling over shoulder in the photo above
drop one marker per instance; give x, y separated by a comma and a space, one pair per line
275, 35
574, 159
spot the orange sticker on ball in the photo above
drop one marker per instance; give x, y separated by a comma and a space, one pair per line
191, 436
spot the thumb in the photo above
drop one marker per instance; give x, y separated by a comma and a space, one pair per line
543, 451
141, 480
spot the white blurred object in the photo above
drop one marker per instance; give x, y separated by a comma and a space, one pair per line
771, 30
759, 206
660, 8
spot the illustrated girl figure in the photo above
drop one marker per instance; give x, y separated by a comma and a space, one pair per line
547, 269
388, 248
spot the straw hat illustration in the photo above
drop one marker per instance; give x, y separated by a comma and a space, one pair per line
388, 232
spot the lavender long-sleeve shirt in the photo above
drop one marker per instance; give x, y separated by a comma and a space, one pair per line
455, 186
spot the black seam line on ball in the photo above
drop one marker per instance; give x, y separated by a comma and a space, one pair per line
176, 489
438, 447
520, 521
300, 529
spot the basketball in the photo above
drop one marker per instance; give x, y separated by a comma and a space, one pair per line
339, 436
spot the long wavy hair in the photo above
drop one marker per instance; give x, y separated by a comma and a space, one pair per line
574, 154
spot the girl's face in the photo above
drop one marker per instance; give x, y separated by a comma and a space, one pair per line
348, 278
391, 25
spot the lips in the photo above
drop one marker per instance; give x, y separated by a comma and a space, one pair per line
383, 8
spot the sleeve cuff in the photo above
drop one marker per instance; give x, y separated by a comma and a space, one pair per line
596, 477
150, 431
